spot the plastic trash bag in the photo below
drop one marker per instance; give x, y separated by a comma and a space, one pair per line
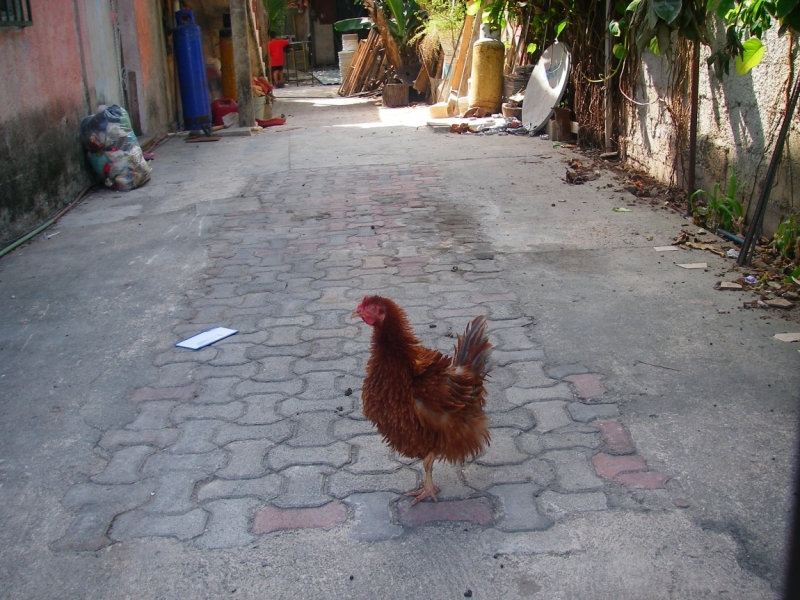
114, 151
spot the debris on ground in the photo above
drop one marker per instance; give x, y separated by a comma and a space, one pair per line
578, 174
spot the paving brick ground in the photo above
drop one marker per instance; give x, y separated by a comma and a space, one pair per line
263, 431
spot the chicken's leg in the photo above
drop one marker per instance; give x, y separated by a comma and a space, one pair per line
428, 490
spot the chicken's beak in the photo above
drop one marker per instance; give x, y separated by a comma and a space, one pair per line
356, 314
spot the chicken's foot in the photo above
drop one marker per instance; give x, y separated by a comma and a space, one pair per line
429, 490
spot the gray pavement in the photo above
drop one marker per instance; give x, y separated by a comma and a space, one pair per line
130, 468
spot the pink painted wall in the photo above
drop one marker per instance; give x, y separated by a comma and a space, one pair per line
42, 101
41, 64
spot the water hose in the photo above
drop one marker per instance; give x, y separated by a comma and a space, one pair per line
49, 223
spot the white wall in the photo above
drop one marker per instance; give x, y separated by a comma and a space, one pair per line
738, 122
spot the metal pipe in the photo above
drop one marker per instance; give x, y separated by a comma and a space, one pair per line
609, 118
730, 236
690, 176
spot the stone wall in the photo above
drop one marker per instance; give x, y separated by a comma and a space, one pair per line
738, 123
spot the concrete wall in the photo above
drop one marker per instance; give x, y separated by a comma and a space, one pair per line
43, 98
54, 73
738, 121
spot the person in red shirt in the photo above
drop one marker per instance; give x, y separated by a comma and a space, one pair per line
276, 47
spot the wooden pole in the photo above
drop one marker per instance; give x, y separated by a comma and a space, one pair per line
690, 181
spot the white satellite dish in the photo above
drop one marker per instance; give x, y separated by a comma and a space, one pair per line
546, 86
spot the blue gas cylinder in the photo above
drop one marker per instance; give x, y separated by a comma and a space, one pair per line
191, 72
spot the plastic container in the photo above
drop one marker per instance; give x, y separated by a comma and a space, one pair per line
221, 107
345, 60
486, 85
349, 42
191, 72
258, 106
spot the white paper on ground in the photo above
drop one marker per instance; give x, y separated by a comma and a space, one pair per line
664, 248
787, 337
201, 340
694, 266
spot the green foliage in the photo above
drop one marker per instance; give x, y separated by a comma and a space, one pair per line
785, 240
720, 210
351, 25
404, 22
443, 20
752, 53
745, 22
276, 13
787, 12
794, 277
653, 23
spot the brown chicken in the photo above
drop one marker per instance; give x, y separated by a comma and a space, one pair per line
425, 404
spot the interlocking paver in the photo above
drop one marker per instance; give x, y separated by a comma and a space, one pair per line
173, 493
573, 472
372, 521
589, 412
335, 455
124, 465
342, 484
272, 415
519, 509
550, 415
196, 437
229, 524
260, 409
265, 488
503, 449
228, 411
556, 506
119, 438
304, 487
152, 415
246, 460
520, 397
269, 519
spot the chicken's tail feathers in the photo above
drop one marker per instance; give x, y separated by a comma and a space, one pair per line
473, 349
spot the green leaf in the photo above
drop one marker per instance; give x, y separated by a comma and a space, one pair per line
752, 55
620, 51
725, 6
613, 28
531, 48
633, 5
473, 8
784, 7
668, 9
654, 46
792, 21
348, 25
560, 28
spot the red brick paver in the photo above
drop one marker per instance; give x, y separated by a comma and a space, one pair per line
587, 385
608, 466
615, 437
649, 480
474, 510
270, 519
